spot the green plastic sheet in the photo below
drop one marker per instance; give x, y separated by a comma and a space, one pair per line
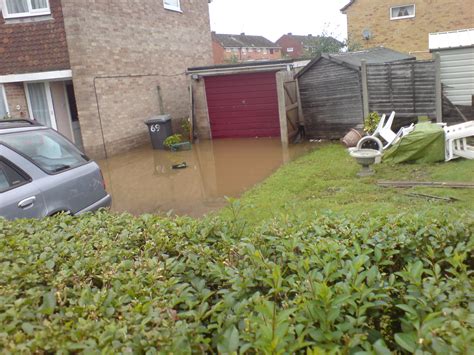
425, 144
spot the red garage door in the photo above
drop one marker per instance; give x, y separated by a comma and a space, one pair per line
243, 105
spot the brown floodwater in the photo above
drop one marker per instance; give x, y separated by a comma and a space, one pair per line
143, 181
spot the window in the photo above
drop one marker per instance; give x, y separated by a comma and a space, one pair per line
228, 50
290, 50
25, 8
172, 5
47, 149
10, 177
401, 12
271, 51
3, 103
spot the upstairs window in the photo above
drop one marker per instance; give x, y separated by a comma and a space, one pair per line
173, 5
3, 103
25, 8
290, 50
401, 12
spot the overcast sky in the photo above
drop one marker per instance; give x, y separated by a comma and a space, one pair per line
273, 18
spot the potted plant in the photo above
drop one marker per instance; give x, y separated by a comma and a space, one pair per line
175, 143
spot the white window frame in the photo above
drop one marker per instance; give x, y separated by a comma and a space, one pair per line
173, 8
4, 95
31, 12
290, 50
402, 17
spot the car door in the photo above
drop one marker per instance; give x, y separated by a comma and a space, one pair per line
19, 198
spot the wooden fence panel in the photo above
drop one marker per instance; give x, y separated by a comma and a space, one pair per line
408, 88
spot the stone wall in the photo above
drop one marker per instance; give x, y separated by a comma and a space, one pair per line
408, 35
119, 56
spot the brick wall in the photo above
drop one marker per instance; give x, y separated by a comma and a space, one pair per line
34, 44
254, 54
16, 100
202, 126
134, 40
218, 53
407, 35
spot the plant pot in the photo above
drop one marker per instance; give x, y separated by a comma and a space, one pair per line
180, 146
352, 138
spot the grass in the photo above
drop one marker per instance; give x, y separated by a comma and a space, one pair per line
325, 179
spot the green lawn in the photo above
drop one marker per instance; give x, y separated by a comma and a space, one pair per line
325, 179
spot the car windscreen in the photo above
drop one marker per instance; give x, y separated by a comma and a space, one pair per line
47, 149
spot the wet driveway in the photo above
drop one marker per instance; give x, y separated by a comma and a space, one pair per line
142, 180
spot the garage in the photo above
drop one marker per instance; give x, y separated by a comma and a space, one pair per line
239, 100
243, 105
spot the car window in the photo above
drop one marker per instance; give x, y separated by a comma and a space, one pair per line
47, 149
9, 177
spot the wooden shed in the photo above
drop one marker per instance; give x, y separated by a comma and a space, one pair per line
331, 89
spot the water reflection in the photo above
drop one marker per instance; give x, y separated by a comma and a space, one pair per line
143, 181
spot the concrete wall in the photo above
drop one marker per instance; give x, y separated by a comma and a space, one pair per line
408, 35
128, 50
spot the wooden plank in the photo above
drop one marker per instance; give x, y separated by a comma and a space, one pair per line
291, 107
404, 184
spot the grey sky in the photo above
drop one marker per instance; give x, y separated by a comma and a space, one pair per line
273, 18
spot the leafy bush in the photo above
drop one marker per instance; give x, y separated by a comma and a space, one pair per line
174, 139
116, 283
371, 122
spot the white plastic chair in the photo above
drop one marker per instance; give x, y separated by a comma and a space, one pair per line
456, 141
384, 130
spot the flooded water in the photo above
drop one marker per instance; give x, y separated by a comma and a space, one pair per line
143, 181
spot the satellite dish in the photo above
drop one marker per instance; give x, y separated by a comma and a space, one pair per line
367, 34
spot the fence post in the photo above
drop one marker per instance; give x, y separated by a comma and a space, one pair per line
365, 88
280, 79
439, 93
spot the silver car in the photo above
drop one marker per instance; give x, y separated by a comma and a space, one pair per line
42, 173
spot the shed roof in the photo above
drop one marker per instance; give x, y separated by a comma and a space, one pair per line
243, 40
377, 55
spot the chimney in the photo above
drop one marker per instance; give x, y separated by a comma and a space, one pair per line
242, 34
290, 34
310, 35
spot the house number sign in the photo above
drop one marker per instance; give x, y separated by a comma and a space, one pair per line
155, 128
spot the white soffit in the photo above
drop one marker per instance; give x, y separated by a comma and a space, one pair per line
40, 76
452, 39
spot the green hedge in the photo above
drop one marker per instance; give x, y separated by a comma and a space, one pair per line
145, 285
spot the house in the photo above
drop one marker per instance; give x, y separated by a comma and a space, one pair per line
294, 46
95, 72
331, 89
228, 48
404, 26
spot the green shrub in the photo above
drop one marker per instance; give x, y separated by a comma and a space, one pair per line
174, 139
371, 122
115, 283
